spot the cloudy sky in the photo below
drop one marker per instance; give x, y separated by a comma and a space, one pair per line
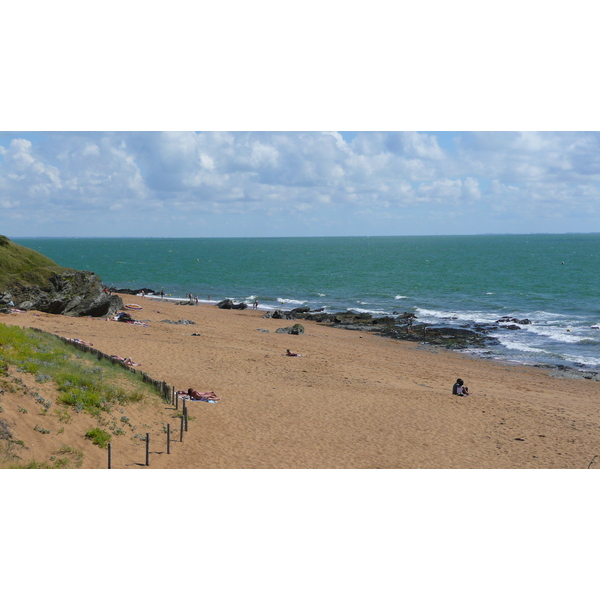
255, 119
298, 183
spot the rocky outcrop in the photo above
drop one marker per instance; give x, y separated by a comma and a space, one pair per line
71, 293
295, 329
133, 292
277, 314
400, 326
514, 320
230, 304
31, 281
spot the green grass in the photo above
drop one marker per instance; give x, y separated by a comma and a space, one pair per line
98, 436
85, 383
20, 265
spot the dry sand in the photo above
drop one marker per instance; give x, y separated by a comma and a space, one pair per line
355, 400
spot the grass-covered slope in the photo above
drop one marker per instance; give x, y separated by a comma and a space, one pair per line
23, 266
59, 406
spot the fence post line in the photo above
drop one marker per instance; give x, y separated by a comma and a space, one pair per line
181, 430
168, 438
185, 414
109, 455
147, 449
176, 400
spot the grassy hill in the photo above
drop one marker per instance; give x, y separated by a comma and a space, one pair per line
23, 266
60, 406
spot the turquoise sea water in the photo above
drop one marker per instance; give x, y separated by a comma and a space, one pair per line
552, 280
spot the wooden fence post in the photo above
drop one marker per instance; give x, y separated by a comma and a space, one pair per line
181, 430
185, 415
168, 438
109, 455
147, 449
176, 400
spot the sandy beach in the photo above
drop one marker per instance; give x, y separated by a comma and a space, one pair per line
353, 400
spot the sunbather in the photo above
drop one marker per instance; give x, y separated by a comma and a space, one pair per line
127, 361
202, 395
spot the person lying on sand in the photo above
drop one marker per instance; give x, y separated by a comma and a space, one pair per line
460, 389
127, 361
202, 395
290, 353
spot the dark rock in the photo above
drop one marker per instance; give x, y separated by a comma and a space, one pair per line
514, 320
295, 329
72, 293
405, 316
513, 327
276, 314
230, 304
133, 292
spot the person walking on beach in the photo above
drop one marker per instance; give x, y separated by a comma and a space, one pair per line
196, 299
255, 305
162, 294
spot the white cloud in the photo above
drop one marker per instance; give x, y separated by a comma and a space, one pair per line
216, 173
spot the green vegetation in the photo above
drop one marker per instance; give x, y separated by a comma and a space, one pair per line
84, 383
98, 437
64, 458
23, 266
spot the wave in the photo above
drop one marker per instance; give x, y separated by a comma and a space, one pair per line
368, 311
290, 301
564, 336
398, 297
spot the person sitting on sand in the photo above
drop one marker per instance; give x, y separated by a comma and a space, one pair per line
459, 388
290, 353
202, 395
129, 361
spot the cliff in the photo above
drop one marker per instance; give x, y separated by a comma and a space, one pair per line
31, 281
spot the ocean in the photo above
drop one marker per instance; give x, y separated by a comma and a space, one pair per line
551, 280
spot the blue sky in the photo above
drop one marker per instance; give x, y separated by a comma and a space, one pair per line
222, 184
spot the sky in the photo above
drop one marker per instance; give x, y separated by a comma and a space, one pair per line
286, 183
255, 119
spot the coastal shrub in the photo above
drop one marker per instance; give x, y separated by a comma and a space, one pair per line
98, 436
